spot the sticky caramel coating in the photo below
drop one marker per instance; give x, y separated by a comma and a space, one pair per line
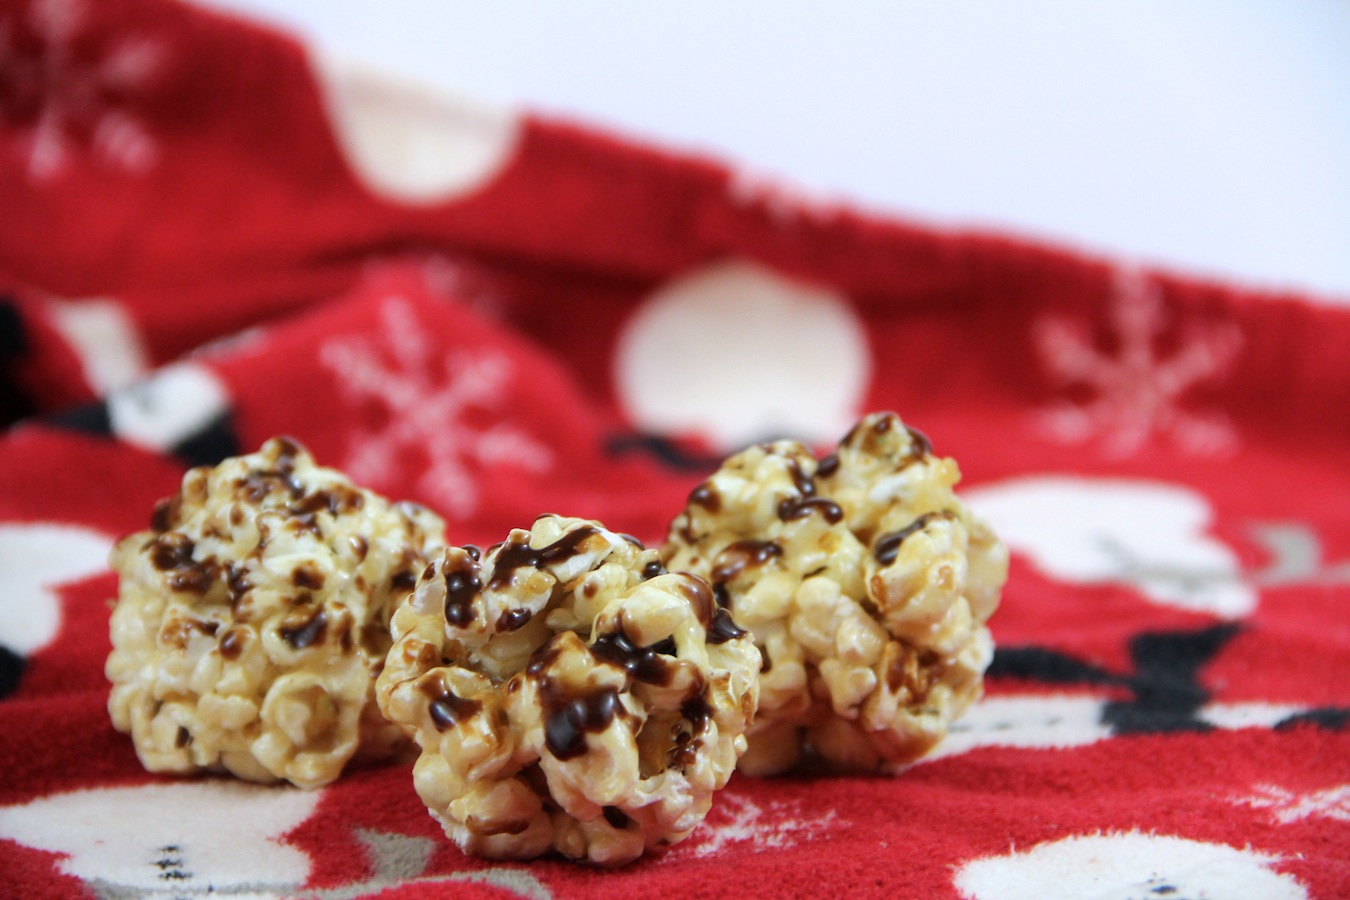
252, 619
867, 584
567, 694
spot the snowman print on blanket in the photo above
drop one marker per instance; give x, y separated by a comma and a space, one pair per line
179, 839
1127, 866
1154, 538
36, 559
219, 839
1149, 535
182, 409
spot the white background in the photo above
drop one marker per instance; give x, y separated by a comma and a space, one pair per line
1209, 136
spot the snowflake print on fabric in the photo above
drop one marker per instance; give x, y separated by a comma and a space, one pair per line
747, 826
1289, 806
1136, 388
439, 410
62, 95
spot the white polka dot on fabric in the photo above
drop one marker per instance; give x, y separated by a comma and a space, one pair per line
407, 143
35, 559
735, 352
1126, 866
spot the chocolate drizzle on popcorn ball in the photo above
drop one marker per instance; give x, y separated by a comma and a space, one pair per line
252, 619
866, 583
567, 693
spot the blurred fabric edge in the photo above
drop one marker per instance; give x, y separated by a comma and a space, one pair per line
230, 164
1205, 138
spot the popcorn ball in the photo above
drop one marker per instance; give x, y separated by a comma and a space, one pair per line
866, 583
253, 617
567, 693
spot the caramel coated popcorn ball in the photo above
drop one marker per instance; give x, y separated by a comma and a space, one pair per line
253, 618
867, 584
567, 693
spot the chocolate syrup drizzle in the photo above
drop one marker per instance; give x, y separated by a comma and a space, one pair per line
887, 547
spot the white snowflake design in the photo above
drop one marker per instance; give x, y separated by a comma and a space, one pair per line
460, 280
1137, 391
61, 100
746, 825
1286, 806
430, 402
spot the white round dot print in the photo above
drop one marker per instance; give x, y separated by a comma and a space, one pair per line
735, 353
409, 144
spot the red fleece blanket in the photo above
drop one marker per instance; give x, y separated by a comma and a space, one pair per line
211, 234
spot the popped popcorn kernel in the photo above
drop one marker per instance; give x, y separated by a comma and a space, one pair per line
252, 618
567, 694
867, 584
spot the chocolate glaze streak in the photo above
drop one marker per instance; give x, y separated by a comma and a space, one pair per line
569, 719
700, 597
462, 585
706, 496
723, 629
666, 451
653, 665
697, 712
172, 552
514, 619
261, 482
791, 509
236, 579
166, 512
336, 500
616, 817
805, 484
445, 708
232, 644
515, 555
922, 445
542, 658
360, 547
887, 547
306, 633
738, 556
307, 575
